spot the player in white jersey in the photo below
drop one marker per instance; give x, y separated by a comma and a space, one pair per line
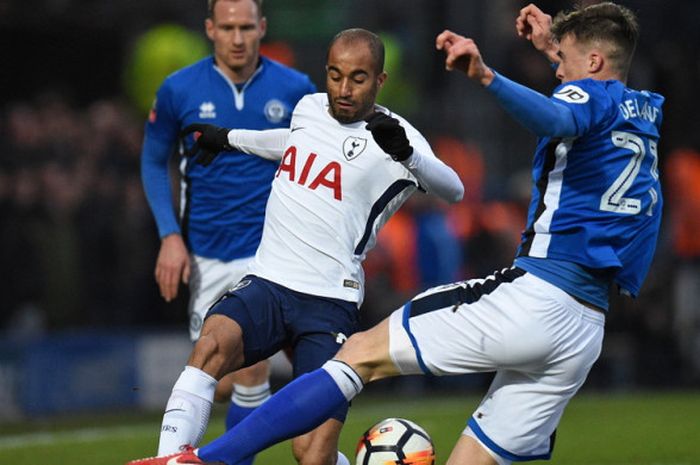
331, 195
346, 166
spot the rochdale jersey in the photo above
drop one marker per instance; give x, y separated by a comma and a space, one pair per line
334, 189
596, 200
222, 206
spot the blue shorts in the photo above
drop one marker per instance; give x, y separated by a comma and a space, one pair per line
274, 317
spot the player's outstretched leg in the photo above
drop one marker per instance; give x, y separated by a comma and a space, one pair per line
309, 400
306, 402
299, 407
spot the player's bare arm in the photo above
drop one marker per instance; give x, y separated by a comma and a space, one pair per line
534, 25
464, 55
172, 265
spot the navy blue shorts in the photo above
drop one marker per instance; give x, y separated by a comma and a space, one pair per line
274, 317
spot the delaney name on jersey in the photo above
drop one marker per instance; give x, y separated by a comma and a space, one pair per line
631, 108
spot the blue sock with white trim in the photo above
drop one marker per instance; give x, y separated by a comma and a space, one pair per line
244, 400
299, 407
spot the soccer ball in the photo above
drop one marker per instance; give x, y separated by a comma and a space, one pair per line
395, 441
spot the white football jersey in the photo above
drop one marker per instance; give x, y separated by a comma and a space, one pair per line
334, 189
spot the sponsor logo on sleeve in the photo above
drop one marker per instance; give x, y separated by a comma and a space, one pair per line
572, 94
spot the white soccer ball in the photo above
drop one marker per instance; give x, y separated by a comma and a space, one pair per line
395, 441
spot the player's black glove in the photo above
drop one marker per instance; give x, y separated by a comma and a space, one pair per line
389, 135
211, 141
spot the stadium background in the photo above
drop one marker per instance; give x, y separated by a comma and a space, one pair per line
83, 327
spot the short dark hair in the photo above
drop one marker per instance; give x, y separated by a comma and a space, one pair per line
372, 40
212, 3
605, 22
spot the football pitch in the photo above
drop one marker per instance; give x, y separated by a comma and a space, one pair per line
630, 429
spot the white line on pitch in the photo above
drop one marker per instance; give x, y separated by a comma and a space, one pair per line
74, 436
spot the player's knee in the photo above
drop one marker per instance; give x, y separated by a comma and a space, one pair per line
216, 356
206, 347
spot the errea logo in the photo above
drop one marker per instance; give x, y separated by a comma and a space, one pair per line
207, 110
572, 94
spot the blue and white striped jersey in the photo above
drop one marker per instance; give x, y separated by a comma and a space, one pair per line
596, 199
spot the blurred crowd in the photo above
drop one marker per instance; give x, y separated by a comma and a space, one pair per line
77, 241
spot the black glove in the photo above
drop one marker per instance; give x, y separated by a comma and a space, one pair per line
389, 135
211, 141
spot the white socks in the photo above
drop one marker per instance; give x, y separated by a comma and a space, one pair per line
250, 396
187, 412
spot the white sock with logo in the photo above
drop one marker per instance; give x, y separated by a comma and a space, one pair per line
187, 412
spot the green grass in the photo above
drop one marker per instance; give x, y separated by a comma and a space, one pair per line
597, 429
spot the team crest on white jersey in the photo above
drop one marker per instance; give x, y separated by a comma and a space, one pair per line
572, 94
275, 111
207, 110
353, 147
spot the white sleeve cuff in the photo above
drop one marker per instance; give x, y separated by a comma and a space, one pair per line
435, 176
